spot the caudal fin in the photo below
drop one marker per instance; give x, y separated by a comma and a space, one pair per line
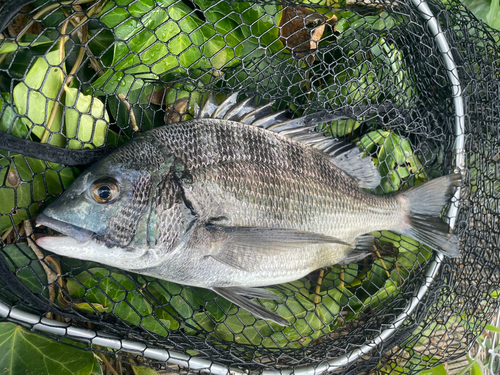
425, 203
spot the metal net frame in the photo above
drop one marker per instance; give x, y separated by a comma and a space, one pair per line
417, 83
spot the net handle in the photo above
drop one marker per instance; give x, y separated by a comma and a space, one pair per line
101, 338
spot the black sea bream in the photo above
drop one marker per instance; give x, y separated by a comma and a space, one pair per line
236, 199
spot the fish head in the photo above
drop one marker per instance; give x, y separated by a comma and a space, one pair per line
103, 216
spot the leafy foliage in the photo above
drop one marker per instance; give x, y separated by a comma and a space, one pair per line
29, 270
487, 11
29, 182
25, 352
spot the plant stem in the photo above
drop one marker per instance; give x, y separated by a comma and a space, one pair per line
130, 110
119, 365
55, 108
3, 57
6, 233
382, 261
41, 13
318, 287
51, 275
66, 78
106, 362
397, 271
341, 277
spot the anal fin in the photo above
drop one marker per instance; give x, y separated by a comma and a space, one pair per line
254, 292
362, 247
250, 306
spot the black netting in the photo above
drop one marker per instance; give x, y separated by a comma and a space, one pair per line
79, 78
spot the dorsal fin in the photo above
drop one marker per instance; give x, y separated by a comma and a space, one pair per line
243, 111
347, 156
344, 155
209, 107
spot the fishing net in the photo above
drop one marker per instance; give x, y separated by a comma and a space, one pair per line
417, 84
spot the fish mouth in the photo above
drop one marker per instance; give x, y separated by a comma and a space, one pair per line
79, 234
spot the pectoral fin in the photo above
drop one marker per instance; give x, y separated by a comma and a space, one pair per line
240, 246
233, 296
269, 238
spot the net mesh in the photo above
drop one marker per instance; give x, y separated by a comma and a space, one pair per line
92, 74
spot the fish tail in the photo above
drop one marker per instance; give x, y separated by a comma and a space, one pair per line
425, 203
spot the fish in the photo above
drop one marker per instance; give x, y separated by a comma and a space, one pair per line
236, 199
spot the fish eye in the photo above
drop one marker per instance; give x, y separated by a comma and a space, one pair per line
104, 190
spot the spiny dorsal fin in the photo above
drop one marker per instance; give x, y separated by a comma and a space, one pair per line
225, 105
243, 111
209, 107
350, 159
344, 155
257, 113
240, 108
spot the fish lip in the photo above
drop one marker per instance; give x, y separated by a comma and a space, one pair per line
81, 235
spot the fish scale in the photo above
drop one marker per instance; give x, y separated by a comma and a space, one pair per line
230, 206
233, 195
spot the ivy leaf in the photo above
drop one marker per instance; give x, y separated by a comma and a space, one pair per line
389, 289
32, 41
22, 200
394, 159
438, 370
87, 115
46, 355
90, 307
36, 95
10, 122
141, 370
493, 15
487, 11
28, 268
107, 291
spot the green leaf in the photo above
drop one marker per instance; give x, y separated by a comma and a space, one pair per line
492, 328
28, 268
36, 96
22, 200
90, 307
87, 115
110, 291
487, 11
395, 159
141, 370
479, 8
341, 128
180, 305
10, 46
438, 370
475, 368
46, 356
145, 48
181, 40
493, 15
388, 290
159, 326
10, 121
